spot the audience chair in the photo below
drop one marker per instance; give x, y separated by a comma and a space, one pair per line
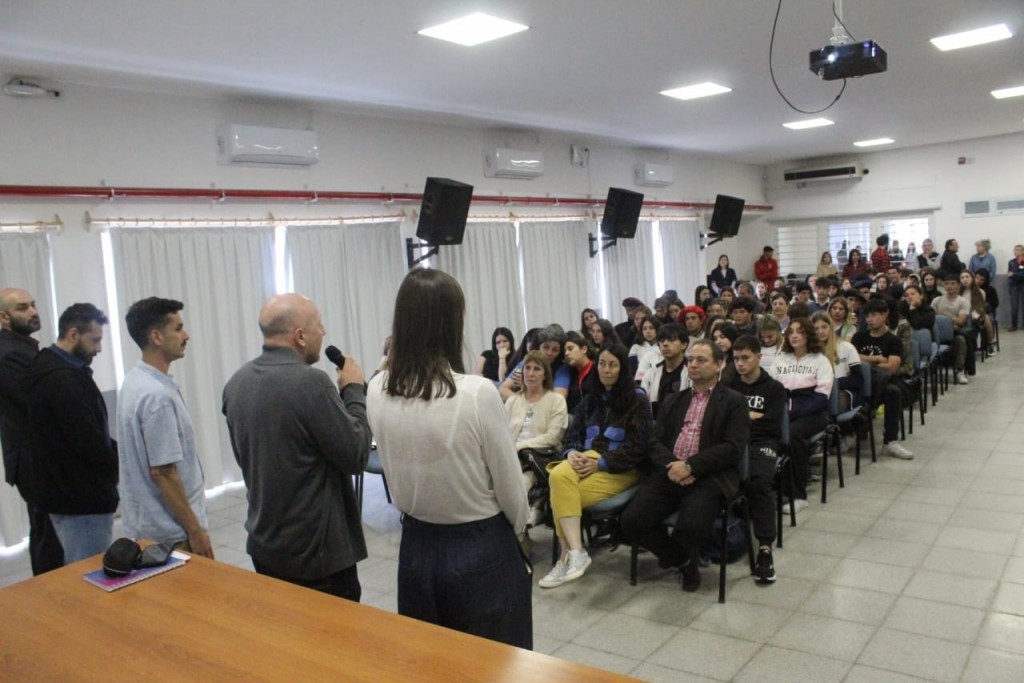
373, 466
944, 335
784, 471
862, 411
739, 507
830, 433
604, 515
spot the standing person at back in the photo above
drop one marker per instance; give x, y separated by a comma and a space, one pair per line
298, 439
880, 259
453, 471
162, 483
19, 319
74, 458
766, 268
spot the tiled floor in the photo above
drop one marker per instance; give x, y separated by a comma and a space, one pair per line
914, 571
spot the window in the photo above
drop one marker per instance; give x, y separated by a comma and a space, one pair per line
842, 237
797, 250
906, 235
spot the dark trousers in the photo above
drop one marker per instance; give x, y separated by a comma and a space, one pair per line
469, 577
885, 391
44, 548
800, 430
343, 584
1016, 304
642, 521
760, 490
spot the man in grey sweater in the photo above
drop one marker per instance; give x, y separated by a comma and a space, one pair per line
298, 443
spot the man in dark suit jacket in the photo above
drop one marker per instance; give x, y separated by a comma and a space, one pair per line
699, 437
19, 319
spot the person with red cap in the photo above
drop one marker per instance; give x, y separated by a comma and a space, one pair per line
692, 318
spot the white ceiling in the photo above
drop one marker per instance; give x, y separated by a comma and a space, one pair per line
587, 67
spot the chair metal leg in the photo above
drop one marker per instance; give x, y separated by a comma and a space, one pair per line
722, 559
634, 557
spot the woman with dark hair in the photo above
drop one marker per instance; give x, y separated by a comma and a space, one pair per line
930, 285
579, 358
856, 266
493, 363
588, 316
807, 374
970, 290
983, 278
603, 332
702, 295
452, 470
647, 342
825, 266
529, 343
721, 277
606, 442
723, 336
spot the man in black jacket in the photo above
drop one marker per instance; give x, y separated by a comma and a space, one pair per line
75, 458
699, 437
19, 319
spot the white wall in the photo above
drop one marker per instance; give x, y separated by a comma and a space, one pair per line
911, 180
93, 136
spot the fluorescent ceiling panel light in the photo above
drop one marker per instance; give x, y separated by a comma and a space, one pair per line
473, 29
873, 143
1008, 92
978, 36
809, 123
692, 92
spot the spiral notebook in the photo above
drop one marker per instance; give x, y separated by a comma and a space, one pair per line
112, 583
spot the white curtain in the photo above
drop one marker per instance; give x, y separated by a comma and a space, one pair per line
680, 247
352, 273
486, 264
629, 271
25, 263
222, 275
555, 259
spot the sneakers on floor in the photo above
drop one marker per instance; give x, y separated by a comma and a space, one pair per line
555, 577
690, 574
569, 569
765, 568
895, 450
799, 504
960, 378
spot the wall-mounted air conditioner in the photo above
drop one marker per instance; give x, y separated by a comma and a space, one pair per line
851, 171
238, 144
513, 163
653, 175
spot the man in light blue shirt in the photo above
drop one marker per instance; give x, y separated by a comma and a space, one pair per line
162, 483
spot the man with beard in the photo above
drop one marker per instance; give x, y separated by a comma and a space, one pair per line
74, 458
19, 319
162, 483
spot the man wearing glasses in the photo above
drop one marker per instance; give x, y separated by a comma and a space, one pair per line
699, 436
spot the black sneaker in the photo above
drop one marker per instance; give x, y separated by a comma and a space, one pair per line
765, 569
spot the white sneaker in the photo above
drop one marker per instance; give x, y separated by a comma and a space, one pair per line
895, 450
798, 504
578, 562
555, 577
960, 378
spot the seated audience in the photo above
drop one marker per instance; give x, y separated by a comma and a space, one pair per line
769, 333
743, 316
608, 440
665, 374
579, 357
493, 362
843, 324
780, 308
699, 439
957, 308
723, 336
843, 356
603, 332
646, 342
626, 330
551, 342
692, 318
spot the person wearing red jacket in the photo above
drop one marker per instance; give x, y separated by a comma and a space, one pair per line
766, 268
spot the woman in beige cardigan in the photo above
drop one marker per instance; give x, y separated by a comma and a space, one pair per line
537, 417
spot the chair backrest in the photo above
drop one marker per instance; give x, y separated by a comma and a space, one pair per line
833, 399
744, 464
915, 353
923, 340
943, 329
784, 429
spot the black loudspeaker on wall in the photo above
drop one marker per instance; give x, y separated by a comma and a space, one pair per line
725, 221
621, 213
444, 211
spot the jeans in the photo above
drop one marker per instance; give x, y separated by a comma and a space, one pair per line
469, 577
1016, 301
800, 430
342, 584
83, 535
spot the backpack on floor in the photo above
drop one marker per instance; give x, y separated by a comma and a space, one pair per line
736, 541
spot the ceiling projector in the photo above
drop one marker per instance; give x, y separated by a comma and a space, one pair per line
848, 61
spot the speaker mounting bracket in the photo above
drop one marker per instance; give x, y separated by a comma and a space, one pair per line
716, 239
410, 251
605, 243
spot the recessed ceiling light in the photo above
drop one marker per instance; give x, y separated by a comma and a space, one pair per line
809, 123
978, 36
692, 92
1008, 92
872, 143
473, 29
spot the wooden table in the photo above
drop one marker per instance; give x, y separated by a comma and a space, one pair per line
211, 621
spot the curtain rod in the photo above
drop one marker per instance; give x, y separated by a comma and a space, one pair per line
56, 225
270, 221
215, 195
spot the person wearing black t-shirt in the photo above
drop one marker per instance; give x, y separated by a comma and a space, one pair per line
766, 401
882, 351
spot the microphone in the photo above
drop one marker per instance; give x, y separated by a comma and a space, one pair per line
335, 356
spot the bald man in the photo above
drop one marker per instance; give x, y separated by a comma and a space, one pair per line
299, 439
162, 485
19, 319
